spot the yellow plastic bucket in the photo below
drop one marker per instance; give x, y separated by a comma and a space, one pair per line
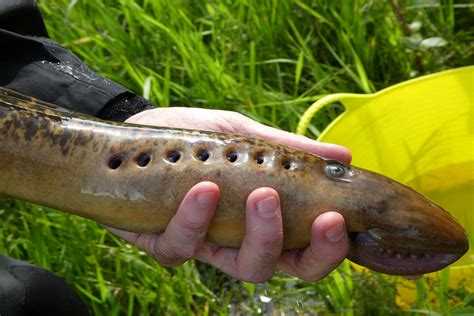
421, 133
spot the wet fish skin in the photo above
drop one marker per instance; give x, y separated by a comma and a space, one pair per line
134, 177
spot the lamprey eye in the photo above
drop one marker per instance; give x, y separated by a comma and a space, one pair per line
335, 170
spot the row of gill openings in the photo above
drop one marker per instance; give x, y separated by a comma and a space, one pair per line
174, 155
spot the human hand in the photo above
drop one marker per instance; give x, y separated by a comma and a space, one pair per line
261, 251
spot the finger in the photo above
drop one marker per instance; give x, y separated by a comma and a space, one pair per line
328, 248
326, 150
186, 231
261, 247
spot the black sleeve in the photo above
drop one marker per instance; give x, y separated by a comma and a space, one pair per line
29, 290
32, 64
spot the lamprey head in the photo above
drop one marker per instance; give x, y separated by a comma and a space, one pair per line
393, 229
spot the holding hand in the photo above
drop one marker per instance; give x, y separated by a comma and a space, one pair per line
261, 251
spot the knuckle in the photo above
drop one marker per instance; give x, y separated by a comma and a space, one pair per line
269, 246
191, 236
192, 225
149, 245
192, 230
266, 258
168, 255
234, 122
167, 260
270, 241
183, 252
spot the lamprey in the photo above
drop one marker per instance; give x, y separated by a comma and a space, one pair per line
134, 177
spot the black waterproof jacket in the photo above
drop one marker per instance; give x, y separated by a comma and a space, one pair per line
33, 64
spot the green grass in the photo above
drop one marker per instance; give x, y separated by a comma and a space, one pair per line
268, 59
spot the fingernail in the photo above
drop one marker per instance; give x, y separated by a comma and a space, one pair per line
206, 199
336, 233
267, 207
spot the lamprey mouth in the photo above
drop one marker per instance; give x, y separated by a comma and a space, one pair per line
368, 252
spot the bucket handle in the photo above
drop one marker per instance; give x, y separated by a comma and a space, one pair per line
350, 101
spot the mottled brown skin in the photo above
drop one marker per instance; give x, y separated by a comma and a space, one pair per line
65, 160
